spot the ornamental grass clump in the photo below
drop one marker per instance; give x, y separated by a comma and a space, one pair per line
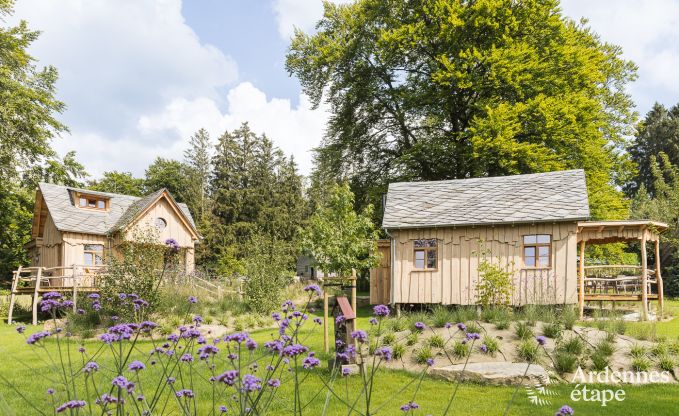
490, 345
528, 350
600, 361
422, 354
436, 341
523, 331
552, 329
573, 345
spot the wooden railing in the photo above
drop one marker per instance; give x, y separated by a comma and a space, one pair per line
617, 279
36, 280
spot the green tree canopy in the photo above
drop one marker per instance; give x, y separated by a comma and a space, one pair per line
442, 89
170, 174
118, 183
28, 106
658, 132
338, 238
198, 161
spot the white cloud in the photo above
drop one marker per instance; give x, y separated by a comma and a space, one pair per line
118, 60
301, 14
296, 130
647, 32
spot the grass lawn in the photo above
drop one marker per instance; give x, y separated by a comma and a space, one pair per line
472, 399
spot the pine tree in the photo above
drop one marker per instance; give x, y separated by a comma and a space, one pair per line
198, 161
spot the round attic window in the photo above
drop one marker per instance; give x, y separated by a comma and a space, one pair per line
161, 223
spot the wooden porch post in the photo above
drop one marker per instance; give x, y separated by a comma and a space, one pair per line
581, 280
75, 289
12, 296
35, 296
658, 277
644, 278
353, 295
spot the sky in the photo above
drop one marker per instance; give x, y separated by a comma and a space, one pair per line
139, 77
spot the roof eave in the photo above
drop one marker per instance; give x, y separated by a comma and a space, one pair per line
484, 224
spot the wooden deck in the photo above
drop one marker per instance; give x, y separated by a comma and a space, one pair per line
36, 281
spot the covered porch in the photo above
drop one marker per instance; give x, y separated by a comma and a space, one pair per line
624, 283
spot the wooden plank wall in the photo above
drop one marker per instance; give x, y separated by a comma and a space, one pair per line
174, 229
49, 247
454, 282
380, 277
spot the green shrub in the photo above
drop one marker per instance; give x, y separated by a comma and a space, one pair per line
388, 338
440, 316
398, 350
411, 339
530, 314
502, 324
660, 349
637, 351
643, 332
494, 313
620, 326
397, 324
436, 341
605, 348
494, 286
422, 354
474, 327
418, 317
267, 269
600, 361
574, 345
528, 350
569, 317
641, 364
552, 330
674, 347
666, 362
565, 362
492, 345
460, 349
465, 313
610, 337
523, 331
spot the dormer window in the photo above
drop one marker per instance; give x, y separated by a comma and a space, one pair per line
92, 202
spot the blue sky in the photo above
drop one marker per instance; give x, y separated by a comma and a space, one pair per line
140, 76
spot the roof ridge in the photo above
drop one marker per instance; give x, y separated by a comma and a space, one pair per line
489, 178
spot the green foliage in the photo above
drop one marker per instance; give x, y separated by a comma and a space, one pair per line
169, 174
255, 190
641, 364
552, 330
492, 345
528, 350
338, 238
388, 339
118, 183
667, 363
523, 331
411, 339
600, 361
465, 313
398, 324
620, 326
445, 89
573, 345
422, 354
605, 348
474, 327
495, 283
663, 205
441, 315
398, 350
502, 324
565, 362
140, 268
638, 351
436, 341
460, 350
492, 314
267, 269
569, 317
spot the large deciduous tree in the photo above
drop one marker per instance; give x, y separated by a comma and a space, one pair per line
28, 106
198, 160
170, 174
443, 89
657, 133
118, 183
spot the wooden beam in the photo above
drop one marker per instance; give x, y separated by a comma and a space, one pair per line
353, 295
661, 291
325, 321
13, 294
644, 279
616, 297
581, 280
36, 294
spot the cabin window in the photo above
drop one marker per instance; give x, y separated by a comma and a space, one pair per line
93, 255
92, 202
425, 254
537, 250
161, 223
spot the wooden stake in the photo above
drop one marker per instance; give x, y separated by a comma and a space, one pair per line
581, 280
35, 296
353, 292
658, 277
644, 279
325, 321
75, 288
12, 296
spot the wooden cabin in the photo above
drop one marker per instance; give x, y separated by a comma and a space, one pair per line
79, 228
529, 224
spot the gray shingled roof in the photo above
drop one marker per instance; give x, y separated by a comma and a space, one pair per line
538, 197
122, 209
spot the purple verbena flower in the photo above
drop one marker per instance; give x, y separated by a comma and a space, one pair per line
251, 383
565, 411
419, 326
360, 335
385, 353
542, 340
72, 404
381, 310
136, 366
461, 326
274, 383
473, 335
228, 377
310, 361
193, 299
313, 288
